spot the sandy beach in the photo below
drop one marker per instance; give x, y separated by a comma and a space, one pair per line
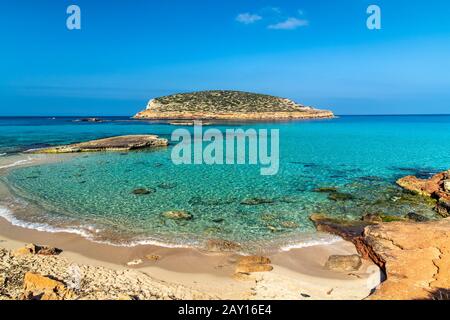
297, 274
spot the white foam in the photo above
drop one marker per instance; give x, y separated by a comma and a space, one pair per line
311, 243
82, 231
15, 164
2, 154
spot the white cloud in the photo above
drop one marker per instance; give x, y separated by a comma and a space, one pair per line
248, 18
289, 24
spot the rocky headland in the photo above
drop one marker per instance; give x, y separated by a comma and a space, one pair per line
121, 143
228, 105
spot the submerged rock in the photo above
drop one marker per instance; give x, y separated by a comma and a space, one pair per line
372, 218
344, 263
167, 185
217, 245
416, 217
256, 201
143, 191
334, 194
178, 215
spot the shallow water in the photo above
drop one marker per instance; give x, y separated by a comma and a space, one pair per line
93, 193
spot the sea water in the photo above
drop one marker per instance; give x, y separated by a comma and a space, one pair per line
92, 194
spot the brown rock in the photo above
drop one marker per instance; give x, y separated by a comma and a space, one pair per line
35, 249
344, 263
178, 215
153, 257
415, 258
436, 187
372, 218
253, 264
38, 287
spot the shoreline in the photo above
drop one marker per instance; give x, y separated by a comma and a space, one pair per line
213, 273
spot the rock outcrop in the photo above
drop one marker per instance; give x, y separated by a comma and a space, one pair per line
437, 187
414, 256
253, 264
227, 105
122, 143
44, 277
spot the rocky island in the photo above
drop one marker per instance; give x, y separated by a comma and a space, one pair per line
228, 105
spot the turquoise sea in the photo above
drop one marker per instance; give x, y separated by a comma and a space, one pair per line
92, 194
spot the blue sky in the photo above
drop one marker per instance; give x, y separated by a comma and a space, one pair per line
316, 52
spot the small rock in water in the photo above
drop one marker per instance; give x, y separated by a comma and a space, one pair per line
339, 196
217, 245
256, 201
326, 190
289, 224
304, 295
143, 191
219, 220
372, 218
178, 215
344, 263
416, 217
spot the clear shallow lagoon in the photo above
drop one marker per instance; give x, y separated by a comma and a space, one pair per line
92, 193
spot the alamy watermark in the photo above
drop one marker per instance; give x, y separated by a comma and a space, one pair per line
234, 146
73, 21
374, 20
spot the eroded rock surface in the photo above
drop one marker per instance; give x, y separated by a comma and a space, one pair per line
437, 187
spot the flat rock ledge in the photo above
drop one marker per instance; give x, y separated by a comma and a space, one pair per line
415, 257
121, 143
43, 277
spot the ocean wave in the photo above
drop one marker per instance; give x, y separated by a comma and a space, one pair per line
2, 154
15, 164
329, 239
86, 232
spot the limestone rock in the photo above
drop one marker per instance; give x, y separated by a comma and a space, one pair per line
35, 249
135, 262
436, 187
344, 263
38, 287
178, 215
253, 264
121, 143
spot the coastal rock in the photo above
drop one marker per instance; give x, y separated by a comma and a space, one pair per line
414, 256
344, 263
217, 245
416, 217
372, 218
227, 105
447, 185
38, 287
178, 215
121, 143
253, 264
436, 187
153, 257
35, 249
